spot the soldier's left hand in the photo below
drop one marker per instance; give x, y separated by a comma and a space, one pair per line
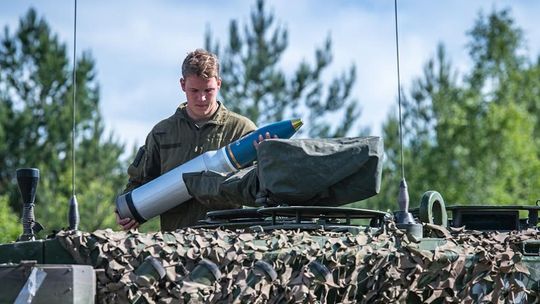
261, 139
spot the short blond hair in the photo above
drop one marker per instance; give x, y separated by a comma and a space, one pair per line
201, 63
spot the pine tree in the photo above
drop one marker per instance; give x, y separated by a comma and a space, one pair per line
255, 86
36, 97
475, 141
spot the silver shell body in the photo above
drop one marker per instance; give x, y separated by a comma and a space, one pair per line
169, 190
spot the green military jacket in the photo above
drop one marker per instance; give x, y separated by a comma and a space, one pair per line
176, 140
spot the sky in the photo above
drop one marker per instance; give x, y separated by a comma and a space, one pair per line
139, 45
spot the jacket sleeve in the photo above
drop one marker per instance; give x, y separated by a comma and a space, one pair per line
135, 170
146, 166
246, 127
152, 162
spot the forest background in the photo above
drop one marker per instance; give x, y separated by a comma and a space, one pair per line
471, 133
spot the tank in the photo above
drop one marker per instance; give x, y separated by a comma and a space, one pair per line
286, 254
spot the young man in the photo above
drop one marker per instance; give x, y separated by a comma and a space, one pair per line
201, 124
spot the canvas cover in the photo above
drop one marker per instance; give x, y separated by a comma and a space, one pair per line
329, 172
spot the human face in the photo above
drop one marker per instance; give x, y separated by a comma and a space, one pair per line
201, 94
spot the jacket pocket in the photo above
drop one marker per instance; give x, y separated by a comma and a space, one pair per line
172, 155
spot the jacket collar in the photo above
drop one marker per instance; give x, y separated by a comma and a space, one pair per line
218, 118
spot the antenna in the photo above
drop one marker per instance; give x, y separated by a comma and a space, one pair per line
404, 219
399, 95
73, 215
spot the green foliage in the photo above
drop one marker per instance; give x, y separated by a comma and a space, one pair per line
36, 106
494, 48
255, 86
475, 141
10, 228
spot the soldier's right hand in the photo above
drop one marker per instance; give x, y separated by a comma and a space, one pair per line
126, 223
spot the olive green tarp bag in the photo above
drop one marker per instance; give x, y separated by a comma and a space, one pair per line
329, 172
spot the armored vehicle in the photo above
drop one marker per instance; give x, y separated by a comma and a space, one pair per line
295, 243
309, 251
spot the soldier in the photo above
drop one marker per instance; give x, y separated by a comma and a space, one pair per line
201, 124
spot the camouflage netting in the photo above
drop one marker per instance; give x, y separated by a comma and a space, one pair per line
306, 267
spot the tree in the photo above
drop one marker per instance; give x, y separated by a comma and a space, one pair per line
10, 229
36, 97
255, 86
475, 141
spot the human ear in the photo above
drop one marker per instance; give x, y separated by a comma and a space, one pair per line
183, 84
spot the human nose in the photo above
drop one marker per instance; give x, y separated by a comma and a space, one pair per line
201, 96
